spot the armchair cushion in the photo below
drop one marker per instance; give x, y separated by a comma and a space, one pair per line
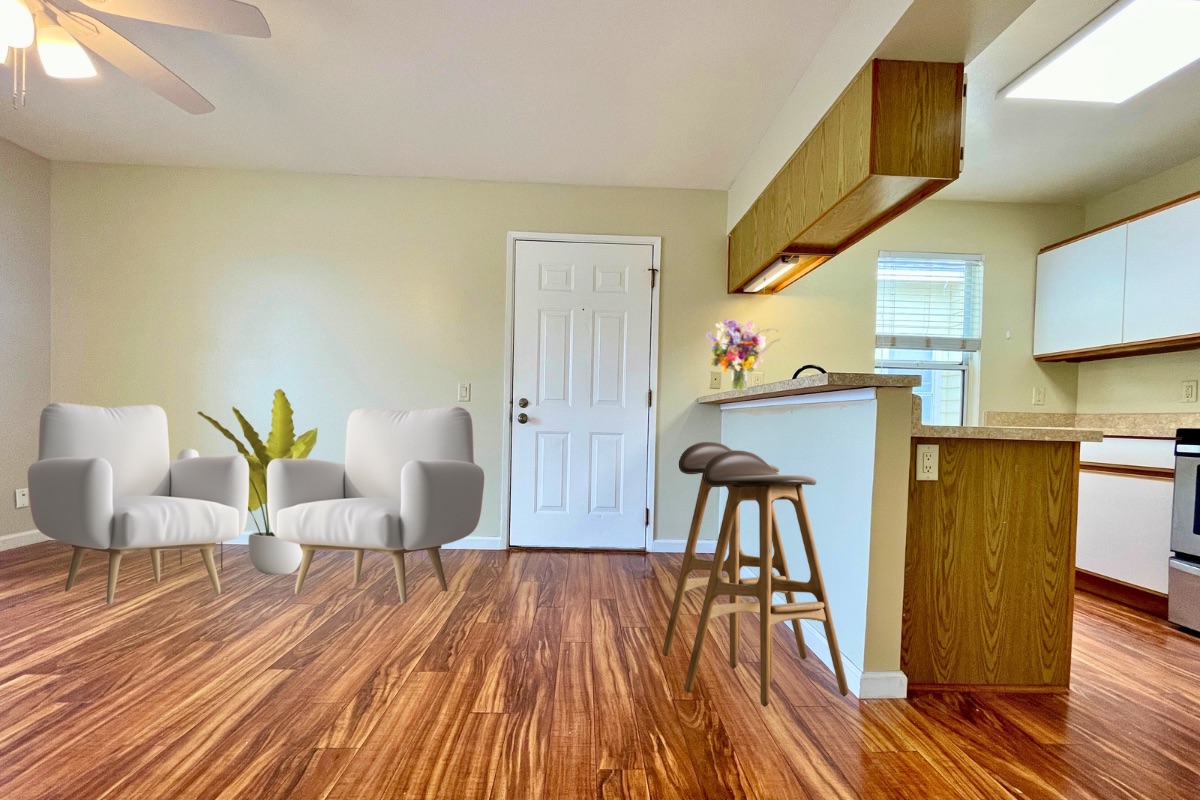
155, 521
72, 500
379, 443
219, 479
367, 522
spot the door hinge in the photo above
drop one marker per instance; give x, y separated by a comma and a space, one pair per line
647, 518
649, 397
653, 277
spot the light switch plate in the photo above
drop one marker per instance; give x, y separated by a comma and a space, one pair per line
464, 393
22, 498
927, 462
1188, 393
714, 380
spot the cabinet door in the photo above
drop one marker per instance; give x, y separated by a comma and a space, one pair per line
1125, 528
1080, 294
1162, 279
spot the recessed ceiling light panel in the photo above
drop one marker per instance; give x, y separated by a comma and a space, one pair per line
1130, 47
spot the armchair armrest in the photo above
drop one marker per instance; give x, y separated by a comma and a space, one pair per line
72, 500
291, 482
220, 479
440, 502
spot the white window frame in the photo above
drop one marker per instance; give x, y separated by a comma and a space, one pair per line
970, 348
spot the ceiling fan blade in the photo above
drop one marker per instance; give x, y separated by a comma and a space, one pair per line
130, 59
216, 16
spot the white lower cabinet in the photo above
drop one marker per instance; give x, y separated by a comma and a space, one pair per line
1124, 526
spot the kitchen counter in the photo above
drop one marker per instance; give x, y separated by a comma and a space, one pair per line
812, 384
1019, 433
1132, 426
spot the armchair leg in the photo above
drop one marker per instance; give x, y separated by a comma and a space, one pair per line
114, 567
306, 557
398, 563
358, 557
207, 554
156, 564
435, 558
76, 560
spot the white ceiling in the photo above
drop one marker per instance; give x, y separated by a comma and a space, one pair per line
665, 93
1047, 151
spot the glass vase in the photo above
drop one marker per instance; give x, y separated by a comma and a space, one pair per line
739, 379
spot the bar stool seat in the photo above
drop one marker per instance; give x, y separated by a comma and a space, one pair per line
694, 461
742, 474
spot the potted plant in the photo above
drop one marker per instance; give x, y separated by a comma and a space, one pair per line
268, 553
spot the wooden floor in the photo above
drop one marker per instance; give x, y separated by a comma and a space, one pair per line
538, 675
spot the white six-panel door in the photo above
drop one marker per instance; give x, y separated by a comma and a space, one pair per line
581, 363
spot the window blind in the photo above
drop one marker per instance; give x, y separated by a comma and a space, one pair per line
929, 301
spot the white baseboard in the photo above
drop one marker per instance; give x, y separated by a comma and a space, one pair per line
476, 543
22, 539
883, 685
870, 685
677, 545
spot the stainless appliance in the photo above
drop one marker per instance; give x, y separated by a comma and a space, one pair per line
1183, 579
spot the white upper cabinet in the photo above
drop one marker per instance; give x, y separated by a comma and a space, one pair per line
1080, 294
1162, 276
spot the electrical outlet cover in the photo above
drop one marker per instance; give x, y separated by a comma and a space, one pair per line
1189, 391
22, 498
714, 380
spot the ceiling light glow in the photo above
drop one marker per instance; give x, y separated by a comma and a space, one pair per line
16, 24
61, 55
1129, 48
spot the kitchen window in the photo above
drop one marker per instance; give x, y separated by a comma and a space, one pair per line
927, 322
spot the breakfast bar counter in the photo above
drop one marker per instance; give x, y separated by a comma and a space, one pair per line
964, 580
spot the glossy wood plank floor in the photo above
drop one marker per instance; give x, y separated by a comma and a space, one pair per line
538, 675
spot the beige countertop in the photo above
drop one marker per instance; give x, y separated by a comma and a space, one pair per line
812, 384
1019, 433
1133, 426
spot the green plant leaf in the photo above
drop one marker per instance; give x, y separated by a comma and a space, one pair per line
225, 432
258, 484
282, 438
304, 445
256, 444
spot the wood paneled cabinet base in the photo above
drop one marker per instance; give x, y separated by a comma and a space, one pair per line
989, 573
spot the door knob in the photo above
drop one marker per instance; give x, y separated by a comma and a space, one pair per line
522, 418
523, 403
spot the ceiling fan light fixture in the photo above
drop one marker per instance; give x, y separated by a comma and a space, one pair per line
16, 24
62, 56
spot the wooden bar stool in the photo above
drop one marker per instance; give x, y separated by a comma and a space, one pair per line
743, 476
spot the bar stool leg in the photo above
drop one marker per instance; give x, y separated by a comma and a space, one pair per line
765, 595
734, 565
780, 560
710, 594
689, 554
818, 583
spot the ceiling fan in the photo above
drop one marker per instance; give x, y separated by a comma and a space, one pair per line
63, 36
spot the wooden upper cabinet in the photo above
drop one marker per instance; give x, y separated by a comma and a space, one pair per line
891, 140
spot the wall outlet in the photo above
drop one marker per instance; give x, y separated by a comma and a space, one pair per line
714, 380
1039, 395
22, 498
464, 393
927, 462
757, 378
1188, 393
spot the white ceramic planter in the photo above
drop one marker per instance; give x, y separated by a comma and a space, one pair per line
273, 555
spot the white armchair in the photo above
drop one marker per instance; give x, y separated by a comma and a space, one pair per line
104, 480
408, 483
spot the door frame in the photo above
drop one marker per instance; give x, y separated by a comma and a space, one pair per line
510, 291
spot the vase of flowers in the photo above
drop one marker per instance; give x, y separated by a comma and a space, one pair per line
738, 347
